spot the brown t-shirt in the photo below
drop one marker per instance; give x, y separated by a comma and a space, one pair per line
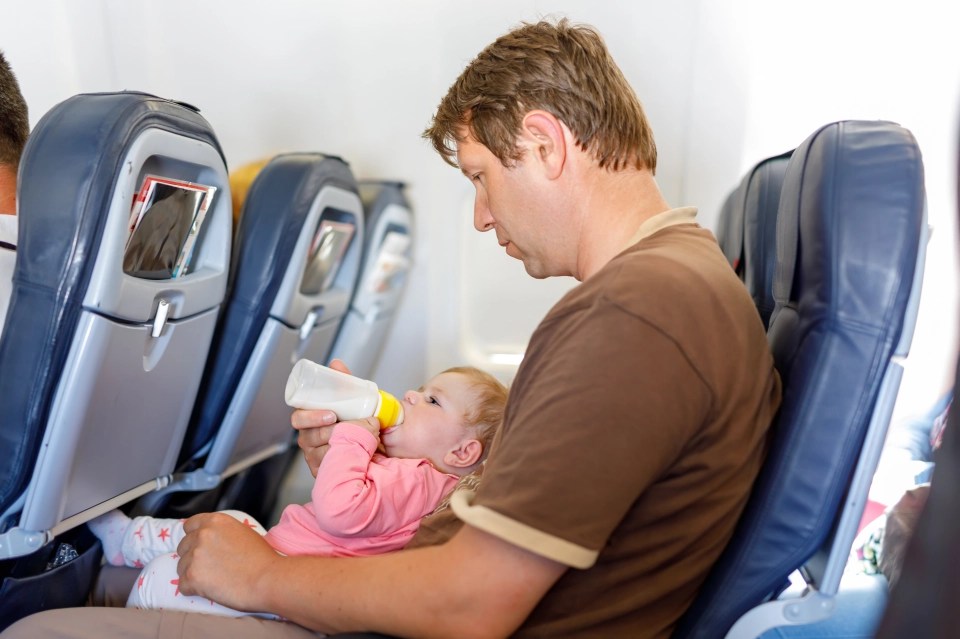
633, 432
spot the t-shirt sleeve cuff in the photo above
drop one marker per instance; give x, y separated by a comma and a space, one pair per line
520, 534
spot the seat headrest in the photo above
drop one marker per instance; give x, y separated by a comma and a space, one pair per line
831, 188
760, 200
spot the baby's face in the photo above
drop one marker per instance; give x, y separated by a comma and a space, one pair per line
433, 419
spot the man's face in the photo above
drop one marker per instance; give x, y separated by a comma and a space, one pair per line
511, 201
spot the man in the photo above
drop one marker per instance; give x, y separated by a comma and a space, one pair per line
635, 425
14, 128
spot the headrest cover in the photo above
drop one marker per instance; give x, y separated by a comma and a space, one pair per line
761, 201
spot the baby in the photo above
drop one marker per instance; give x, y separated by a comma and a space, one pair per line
363, 502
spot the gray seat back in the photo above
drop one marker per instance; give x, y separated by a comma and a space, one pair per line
99, 368
386, 261
298, 247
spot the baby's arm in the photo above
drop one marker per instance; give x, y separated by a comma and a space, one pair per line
355, 496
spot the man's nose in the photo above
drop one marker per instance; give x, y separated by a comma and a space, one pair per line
482, 218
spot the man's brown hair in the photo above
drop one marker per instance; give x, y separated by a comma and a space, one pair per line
561, 68
14, 123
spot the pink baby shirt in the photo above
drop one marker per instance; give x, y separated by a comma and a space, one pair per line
363, 503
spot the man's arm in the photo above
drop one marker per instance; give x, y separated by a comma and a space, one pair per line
474, 585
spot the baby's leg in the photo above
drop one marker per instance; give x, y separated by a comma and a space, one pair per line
246, 520
158, 588
135, 542
147, 538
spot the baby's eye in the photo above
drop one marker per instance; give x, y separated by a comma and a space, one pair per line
432, 400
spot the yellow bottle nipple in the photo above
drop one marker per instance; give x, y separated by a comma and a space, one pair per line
390, 412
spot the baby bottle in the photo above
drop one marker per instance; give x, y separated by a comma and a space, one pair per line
314, 386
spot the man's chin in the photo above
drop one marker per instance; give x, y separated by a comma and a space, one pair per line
535, 271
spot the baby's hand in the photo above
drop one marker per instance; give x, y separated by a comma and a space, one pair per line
371, 424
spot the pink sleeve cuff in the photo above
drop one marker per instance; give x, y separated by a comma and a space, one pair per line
349, 433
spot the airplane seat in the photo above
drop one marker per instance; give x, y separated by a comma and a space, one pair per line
851, 239
298, 245
108, 329
761, 198
386, 260
730, 229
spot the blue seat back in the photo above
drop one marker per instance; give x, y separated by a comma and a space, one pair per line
99, 369
761, 199
387, 258
730, 229
275, 313
850, 247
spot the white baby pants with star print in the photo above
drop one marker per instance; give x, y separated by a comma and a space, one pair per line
149, 537
154, 542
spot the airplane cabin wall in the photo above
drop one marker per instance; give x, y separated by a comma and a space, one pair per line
724, 84
819, 61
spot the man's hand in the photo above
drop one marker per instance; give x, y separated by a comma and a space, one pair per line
221, 559
315, 428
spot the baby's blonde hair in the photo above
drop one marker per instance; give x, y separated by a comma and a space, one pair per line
484, 419
486, 415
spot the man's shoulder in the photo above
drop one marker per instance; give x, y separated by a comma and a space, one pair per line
662, 280
677, 242
667, 280
676, 261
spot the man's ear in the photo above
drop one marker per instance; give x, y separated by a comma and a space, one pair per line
546, 140
466, 454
